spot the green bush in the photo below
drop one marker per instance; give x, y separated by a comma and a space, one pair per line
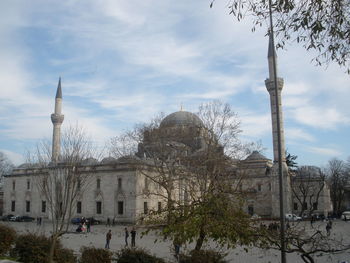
93, 255
137, 255
7, 239
31, 248
64, 255
202, 256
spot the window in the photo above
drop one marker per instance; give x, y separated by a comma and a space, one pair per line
295, 206
78, 184
27, 206
79, 207
251, 210
28, 184
98, 207
13, 185
146, 184
145, 208
304, 206
119, 183
13, 206
159, 206
270, 186
259, 187
120, 207
98, 183
315, 205
43, 206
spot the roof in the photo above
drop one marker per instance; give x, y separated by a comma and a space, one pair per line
181, 118
59, 90
255, 155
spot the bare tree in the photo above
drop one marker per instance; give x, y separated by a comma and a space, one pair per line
307, 187
5, 165
338, 178
62, 183
190, 167
306, 242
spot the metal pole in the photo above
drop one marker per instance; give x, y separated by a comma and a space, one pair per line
280, 167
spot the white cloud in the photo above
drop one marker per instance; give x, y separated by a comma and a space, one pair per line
14, 157
298, 134
254, 125
325, 118
324, 151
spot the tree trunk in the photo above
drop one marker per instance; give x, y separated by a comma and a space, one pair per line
52, 248
200, 240
307, 258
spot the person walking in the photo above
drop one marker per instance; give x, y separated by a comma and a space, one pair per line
133, 237
328, 228
108, 238
88, 225
126, 236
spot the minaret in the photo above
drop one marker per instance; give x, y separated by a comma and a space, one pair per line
270, 85
57, 119
276, 135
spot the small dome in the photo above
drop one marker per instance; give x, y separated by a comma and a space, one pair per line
128, 158
108, 160
89, 161
255, 155
181, 118
25, 166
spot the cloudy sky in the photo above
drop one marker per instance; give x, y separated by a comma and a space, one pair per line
122, 62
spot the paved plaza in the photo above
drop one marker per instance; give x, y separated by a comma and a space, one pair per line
164, 249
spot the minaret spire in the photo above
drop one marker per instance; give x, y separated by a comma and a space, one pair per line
271, 53
57, 119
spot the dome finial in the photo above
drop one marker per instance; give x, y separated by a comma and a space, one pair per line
181, 107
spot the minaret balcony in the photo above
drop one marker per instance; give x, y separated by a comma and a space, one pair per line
57, 118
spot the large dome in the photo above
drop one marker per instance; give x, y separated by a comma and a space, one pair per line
181, 118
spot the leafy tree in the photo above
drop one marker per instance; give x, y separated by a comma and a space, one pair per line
290, 160
323, 26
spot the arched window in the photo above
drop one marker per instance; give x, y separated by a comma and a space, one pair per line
98, 183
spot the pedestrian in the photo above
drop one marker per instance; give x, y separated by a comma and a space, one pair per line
328, 228
88, 225
108, 238
108, 222
312, 220
126, 236
177, 246
133, 237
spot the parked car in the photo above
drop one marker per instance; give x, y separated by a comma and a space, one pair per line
25, 219
78, 220
345, 215
292, 217
6, 217
255, 217
13, 218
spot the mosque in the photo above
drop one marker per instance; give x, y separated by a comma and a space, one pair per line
120, 190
